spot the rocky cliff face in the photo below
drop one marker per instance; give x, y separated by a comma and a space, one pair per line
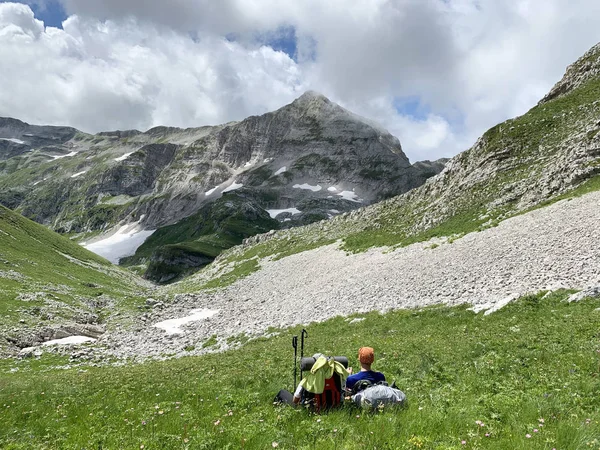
517, 165
307, 161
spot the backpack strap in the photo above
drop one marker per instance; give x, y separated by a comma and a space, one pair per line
361, 386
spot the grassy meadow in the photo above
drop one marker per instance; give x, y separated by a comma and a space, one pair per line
527, 376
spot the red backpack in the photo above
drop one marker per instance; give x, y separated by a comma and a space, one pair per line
330, 398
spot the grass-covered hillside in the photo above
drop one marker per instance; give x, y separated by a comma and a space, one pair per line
549, 153
527, 376
46, 277
196, 240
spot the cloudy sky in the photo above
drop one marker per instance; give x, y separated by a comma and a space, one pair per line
435, 73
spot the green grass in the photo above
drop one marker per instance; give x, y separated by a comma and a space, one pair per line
215, 227
34, 259
241, 270
535, 359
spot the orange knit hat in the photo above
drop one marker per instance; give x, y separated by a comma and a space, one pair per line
366, 355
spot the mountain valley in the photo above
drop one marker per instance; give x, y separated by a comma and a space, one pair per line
476, 279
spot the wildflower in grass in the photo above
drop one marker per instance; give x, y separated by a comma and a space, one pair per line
535, 430
142, 446
275, 444
318, 420
160, 413
463, 442
528, 436
357, 416
487, 434
230, 413
541, 420
186, 440
335, 430
478, 422
217, 422
143, 422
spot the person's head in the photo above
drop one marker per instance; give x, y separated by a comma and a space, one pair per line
366, 356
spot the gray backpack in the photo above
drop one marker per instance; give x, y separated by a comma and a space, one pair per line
379, 394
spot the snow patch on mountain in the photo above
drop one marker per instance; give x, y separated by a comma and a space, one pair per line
275, 212
233, 187
16, 141
123, 243
210, 191
69, 340
350, 195
173, 326
308, 187
68, 155
124, 157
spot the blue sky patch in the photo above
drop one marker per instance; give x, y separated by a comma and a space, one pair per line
412, 106
51, 12
283, 40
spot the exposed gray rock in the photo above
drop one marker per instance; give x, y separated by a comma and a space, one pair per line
590, 292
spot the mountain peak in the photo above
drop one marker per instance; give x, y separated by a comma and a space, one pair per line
584, 69
312, 96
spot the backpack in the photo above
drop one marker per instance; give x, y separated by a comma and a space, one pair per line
379, 394
331, 397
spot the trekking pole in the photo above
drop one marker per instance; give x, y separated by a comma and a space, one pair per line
304, 333
295, 345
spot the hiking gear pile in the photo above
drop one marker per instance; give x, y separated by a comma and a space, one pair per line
374, 396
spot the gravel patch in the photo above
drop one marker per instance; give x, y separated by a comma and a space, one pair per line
547, 249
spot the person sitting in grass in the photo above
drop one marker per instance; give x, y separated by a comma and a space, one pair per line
366, 357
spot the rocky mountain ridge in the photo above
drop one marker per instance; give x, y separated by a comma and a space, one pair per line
515, 166
310, 149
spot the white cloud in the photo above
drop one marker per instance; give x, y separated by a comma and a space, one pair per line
127, 74
136, 64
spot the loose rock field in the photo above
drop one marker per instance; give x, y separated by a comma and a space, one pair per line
547, 249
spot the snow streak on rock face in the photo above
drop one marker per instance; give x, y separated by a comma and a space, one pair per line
173, 326
124, 157
68, 155
121, 244
275, 212
233, 187
210, 191
308, 187
16, 141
